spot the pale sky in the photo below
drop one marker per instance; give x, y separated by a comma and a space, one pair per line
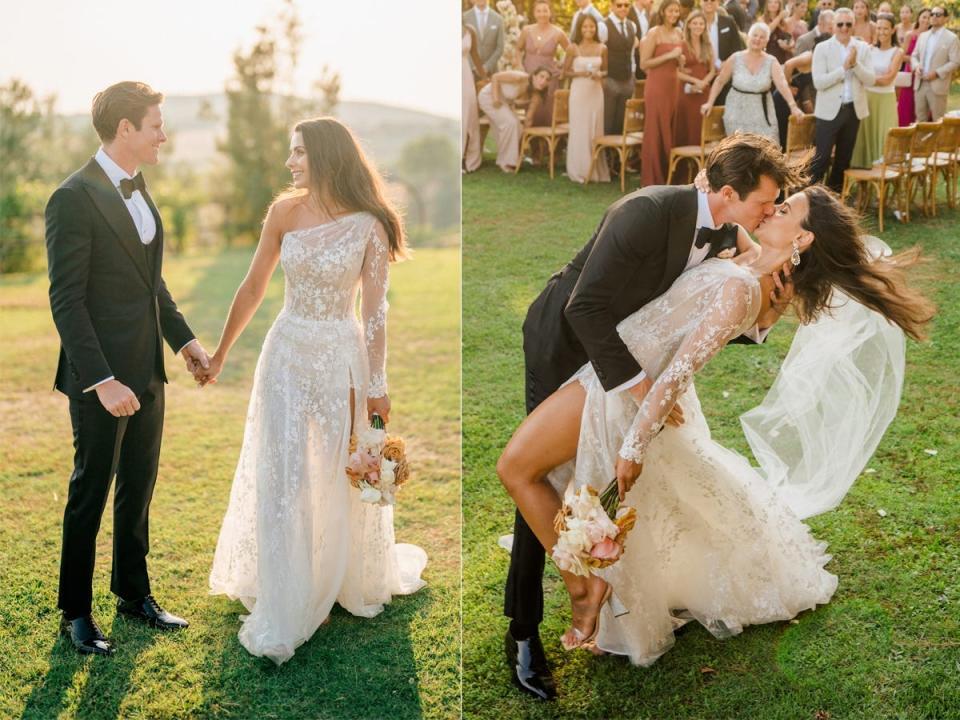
398, 53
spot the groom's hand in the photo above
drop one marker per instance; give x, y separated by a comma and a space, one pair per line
627, 474
196, 358
117, 398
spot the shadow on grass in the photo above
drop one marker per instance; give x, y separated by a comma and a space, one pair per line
351, 668
107, 681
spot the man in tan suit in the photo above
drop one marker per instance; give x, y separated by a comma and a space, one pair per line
935, 57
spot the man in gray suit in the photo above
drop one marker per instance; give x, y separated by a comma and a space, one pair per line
935, 58
488, 25
823, 29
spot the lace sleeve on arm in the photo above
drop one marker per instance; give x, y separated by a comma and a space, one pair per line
736, 300
374, 282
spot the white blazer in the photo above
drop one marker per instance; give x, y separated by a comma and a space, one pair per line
828, 76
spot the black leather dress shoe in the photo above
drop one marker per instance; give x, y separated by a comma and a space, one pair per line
528, 667
149, 611
86, 635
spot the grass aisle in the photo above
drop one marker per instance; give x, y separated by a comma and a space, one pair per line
888, 644
402, 664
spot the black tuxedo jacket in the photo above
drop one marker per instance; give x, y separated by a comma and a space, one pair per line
639, 249
109, 302
728, 34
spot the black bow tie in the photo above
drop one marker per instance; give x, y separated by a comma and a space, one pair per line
722, 238
128, 186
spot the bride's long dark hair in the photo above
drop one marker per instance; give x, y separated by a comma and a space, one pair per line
837, 257
338, 165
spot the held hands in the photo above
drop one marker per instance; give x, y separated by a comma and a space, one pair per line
198, 362
209, 376
117, 398
379, 406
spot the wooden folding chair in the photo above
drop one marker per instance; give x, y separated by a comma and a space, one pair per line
628, 141
800, 135
923, 164
551, 134
948, 156
711, 132
638, 86
893, 171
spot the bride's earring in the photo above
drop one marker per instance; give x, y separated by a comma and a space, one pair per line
795, 257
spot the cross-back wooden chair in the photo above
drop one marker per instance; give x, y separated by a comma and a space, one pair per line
627, 142
711, 132
551, 134
892, 172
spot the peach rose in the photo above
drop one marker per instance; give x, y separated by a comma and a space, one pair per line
606, 549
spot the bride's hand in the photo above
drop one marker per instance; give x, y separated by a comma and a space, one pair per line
627, 474
209, 376
379, 406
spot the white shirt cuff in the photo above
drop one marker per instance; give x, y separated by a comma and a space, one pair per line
188, 342
756, 334
629, 383
96, 385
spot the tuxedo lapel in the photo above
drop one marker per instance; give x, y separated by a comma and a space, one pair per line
683, 224
108, 201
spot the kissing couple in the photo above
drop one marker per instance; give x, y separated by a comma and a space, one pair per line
296, 536
612, 347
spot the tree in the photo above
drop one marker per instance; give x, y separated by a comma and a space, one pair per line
430, 167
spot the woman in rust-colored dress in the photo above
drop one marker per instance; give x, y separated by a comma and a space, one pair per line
695, 79
661, 56
538, 48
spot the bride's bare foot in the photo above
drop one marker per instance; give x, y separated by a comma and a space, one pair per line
585, 611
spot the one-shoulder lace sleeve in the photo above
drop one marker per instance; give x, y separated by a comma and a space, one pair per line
374, 282
737, 303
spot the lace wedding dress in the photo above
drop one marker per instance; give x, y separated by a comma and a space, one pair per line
296, 537
712, 537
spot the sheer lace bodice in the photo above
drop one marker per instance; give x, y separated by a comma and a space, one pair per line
325, 266
676, 334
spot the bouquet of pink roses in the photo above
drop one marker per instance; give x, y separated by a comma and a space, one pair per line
592, 530
378, 464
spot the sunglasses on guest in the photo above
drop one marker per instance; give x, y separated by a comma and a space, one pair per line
938, 14
843, 24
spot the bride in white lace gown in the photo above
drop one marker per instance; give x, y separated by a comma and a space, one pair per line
714, 537
296, 538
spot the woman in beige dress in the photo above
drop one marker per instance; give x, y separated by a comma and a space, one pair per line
470, 150
498, 101
586, 64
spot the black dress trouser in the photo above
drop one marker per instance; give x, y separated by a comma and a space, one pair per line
839, 133
104, 446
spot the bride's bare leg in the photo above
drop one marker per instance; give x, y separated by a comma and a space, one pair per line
545, 439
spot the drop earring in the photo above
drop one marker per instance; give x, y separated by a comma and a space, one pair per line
795, 257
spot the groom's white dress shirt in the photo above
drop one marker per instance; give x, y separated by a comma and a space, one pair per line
697, 256
139, 211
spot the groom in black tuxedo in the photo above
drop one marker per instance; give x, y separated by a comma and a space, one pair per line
113, 312
643, 243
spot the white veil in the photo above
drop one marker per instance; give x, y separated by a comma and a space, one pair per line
834, 397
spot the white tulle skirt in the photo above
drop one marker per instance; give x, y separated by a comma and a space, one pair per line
712, 537
296, 538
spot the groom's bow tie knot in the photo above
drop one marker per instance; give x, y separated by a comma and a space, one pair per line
128, 186
722, 237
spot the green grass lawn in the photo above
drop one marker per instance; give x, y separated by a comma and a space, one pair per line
405, 663
887, 646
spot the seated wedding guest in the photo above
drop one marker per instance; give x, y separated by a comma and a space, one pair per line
780, 43
934, 60
821, 31
585, 7
863, 27
885, 59
537, 45
488, 25
906, 111
586, 65
618, 86
752, 74
499, 99
470, 150
840, 72
661, 56
696, 75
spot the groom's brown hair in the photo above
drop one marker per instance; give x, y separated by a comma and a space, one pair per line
126, 99
741, 159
